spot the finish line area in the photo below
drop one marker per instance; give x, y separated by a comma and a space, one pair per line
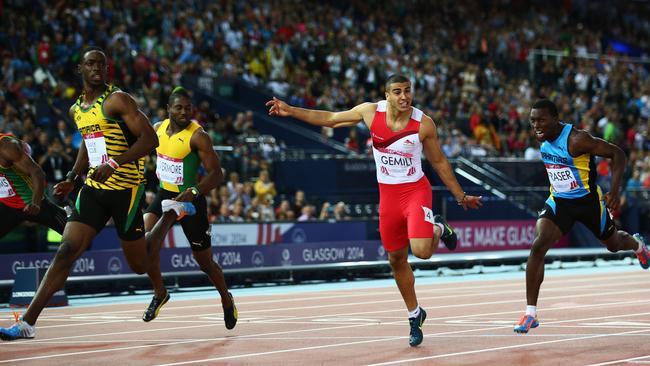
590, 311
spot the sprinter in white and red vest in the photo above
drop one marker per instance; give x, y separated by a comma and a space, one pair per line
400, 133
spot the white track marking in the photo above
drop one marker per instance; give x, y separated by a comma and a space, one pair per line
630, 360
506, 347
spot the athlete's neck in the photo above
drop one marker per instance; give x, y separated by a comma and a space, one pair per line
556, 132
397, 117
90, 93
174, 127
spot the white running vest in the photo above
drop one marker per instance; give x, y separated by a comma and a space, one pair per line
398, 155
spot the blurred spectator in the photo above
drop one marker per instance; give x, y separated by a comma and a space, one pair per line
299, 202
264, 187
308, 213
283, 212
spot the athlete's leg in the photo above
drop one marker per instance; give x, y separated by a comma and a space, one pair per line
621, 240
214, 273
51, 216
156, 229
76, 239
404, 278
11, 217
424, 248
547, 233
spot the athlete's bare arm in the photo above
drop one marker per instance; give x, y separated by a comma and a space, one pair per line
202, 144
80, 167
581, 142
433, 152
362, 112
12, 151
120, 105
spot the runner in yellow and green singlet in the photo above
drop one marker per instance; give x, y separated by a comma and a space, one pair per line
184, 146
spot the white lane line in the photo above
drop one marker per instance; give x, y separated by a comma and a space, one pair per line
247, 355
598, 305
367, 337
421, 299
253, 336
631, 360
506, 347
548, 286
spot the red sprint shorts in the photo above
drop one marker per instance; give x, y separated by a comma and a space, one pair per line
404, 213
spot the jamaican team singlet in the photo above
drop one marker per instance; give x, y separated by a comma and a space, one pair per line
105, 138
177, 165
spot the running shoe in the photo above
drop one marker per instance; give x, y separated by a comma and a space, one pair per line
416, 336
644, 255
182, 209
525, 323
230, 314
449, 235
154, 308
19, 330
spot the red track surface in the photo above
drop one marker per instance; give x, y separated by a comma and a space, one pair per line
584, 320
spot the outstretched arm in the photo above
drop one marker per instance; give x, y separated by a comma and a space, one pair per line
584, 143
441, 165
12, 151
362, 112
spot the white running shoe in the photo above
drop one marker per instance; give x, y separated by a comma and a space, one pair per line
19, 330
182, 209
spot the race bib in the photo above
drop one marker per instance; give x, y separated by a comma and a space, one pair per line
561, 178
169, 170
6, 190
96, 147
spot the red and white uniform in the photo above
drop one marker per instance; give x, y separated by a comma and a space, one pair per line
404, 192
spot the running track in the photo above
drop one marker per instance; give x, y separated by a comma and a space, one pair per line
589, 316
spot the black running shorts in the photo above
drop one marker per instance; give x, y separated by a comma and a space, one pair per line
50, 215
95, 207
589, 210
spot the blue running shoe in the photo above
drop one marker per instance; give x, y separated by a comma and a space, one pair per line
643, 255
182, 209
416, 335
525, 323
448, 236
19, 330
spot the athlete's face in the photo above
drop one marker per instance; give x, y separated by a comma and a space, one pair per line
180, 111
545, 126
93, 68
399, 96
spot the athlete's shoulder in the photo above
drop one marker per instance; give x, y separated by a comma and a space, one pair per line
11, 147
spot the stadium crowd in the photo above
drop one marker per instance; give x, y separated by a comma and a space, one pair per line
468, 61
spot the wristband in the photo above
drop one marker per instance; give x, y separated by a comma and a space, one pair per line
113, 163
462, 200
71, 176
194, 191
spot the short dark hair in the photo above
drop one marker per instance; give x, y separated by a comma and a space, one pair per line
548, 105
396, 78
91, 49
178, 92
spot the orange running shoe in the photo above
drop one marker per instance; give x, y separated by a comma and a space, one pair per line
525, 323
